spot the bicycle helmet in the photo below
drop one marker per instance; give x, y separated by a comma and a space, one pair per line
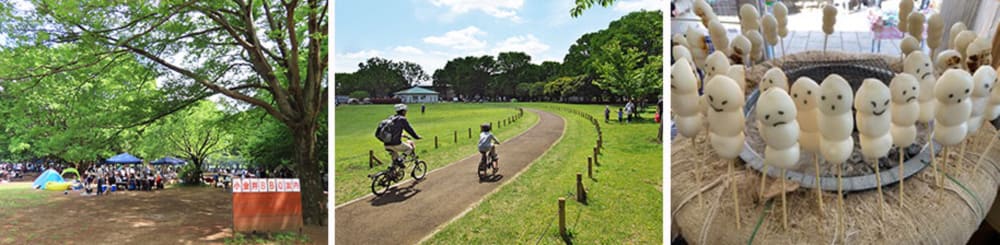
485, 127
400, 107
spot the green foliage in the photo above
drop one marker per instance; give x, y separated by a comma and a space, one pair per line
582, 5
190, 174
622, 73
381, 77
360, 94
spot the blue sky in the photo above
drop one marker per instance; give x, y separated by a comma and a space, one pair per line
431, 32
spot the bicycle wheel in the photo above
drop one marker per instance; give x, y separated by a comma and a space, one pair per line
381, 183
481, 171
419, 170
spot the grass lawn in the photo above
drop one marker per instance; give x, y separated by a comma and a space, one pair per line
625, 198
18, 195
355, 136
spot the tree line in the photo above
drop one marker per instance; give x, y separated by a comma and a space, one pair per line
621, 62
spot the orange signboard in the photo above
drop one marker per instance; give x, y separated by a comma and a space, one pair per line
261, 205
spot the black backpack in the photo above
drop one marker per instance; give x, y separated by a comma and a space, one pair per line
384, 131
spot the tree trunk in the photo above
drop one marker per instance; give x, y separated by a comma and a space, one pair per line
309, 174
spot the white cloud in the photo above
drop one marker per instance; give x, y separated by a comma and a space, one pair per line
408, 50
464, 39
636, 5
362, 54
525, 43
504, 9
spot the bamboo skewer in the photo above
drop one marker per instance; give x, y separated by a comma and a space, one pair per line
988, 146
736, 198
840, 197
819, 191
784, 202
763, 179
901, 178
878, 180
697, 168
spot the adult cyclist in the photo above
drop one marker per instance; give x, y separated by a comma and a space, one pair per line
396, 145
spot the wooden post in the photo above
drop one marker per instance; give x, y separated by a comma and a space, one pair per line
581, 194
470, 133
456, 136
562, 216
590, 168
435, 142
595, 157
371, 158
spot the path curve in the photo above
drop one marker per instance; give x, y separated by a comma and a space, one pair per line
412, 211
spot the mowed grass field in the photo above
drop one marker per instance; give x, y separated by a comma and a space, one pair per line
625, 196
18, 195
355, 136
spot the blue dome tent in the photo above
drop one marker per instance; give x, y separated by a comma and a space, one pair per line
123, 158
169, 161
46, 177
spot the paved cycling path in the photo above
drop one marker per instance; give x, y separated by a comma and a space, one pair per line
411, 211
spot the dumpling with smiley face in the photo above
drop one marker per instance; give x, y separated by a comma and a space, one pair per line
952, 93
835, 121
716, 64
982, 84
805, 93
774, 77
904, 109
873, 118
777, 114
725, 116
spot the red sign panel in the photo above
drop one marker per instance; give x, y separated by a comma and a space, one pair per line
260, 205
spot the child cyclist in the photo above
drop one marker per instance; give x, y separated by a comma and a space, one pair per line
486, 140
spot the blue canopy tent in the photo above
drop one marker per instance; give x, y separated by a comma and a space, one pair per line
169, 161
123, 158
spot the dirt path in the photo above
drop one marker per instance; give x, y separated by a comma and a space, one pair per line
187, 215
412, 210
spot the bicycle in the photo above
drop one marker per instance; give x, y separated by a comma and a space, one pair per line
486, 165
384, 179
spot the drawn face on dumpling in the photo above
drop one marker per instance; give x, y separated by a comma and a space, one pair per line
678, 40
805, 93
724, 95
953, 86
836, 96
918, 64
775, 108
873, 98
682, 79
716, 64
774, 77
983, 81
949, 59
904, 88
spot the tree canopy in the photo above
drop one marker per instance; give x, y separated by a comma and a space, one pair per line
267, 54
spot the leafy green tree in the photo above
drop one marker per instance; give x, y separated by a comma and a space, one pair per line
469, 76
624, 73
512, 68
241, 49
582, 5
195, 134
360, 94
